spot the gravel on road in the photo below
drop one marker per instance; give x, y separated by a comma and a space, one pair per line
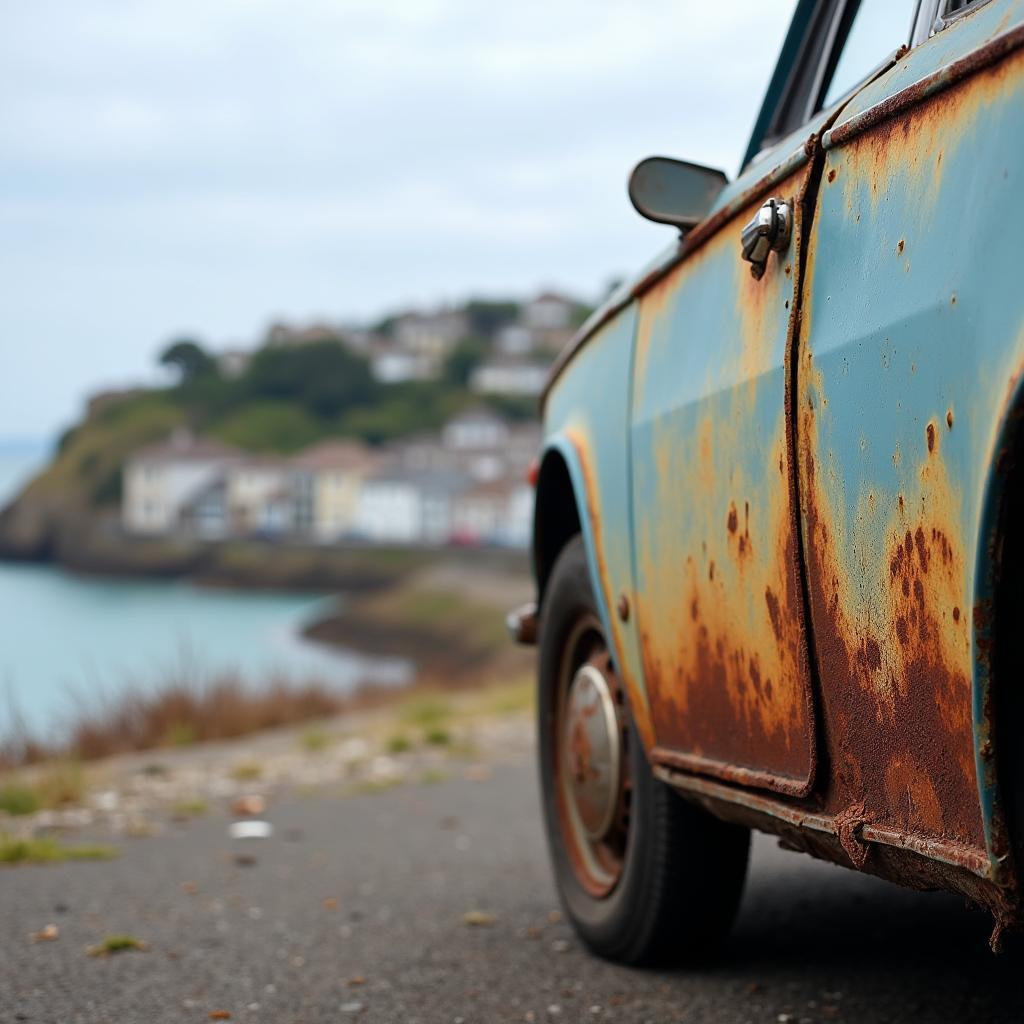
434, 903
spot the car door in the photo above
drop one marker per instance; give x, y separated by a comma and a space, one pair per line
720, 606
911, 330
717, 547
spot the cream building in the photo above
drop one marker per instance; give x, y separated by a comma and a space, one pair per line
326, 481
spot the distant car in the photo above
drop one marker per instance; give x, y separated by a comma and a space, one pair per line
779, 533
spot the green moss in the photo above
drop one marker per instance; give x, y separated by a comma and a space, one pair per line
399, 743
367, 787
182, 734
246, 771
43, 850
425, 712
16, 798
192, 807
314, 740
112, 944
438, 736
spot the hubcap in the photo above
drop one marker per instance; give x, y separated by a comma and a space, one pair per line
593, 787
593, 749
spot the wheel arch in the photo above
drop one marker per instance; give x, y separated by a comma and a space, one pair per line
557, 510
998, 699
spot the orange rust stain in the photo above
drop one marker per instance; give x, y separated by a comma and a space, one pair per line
899, 247
725, 663
913, 143
726, 677
831, 175
908, 786
895, 664
639, 702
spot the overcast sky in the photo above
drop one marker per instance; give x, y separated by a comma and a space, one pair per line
207, 166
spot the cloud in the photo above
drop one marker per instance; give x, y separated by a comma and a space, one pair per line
218, 163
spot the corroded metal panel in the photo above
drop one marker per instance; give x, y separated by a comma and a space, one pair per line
719, 604
586, 420
912, 334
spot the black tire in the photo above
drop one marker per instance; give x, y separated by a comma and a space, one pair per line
682, 870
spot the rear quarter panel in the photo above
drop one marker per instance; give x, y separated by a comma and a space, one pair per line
586, 423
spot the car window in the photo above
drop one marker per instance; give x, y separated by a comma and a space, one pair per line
878, 28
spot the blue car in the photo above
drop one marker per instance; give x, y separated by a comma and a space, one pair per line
779, 529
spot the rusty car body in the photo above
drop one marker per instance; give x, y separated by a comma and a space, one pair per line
798, 493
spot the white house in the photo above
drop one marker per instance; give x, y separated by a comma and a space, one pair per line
161, 480
233, 362
391, 364
399, 506
494, 512
513, 339
474, 429
548, 312
508, 375
430, 334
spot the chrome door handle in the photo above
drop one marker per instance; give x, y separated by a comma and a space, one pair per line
768, 231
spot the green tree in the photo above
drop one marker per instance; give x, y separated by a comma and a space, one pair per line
463, 360
487, 315
189, 358
324, 377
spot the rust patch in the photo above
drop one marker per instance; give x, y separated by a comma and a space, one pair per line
894, 660
639, 704
848, 824
720, 609
980, 59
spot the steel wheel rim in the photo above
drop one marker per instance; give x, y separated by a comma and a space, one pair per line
591, 759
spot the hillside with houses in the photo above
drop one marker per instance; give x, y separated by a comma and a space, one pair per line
415, 431
466, 485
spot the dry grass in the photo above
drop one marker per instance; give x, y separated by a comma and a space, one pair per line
187, 710
180, 712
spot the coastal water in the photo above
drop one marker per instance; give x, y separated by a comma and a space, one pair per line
66, 639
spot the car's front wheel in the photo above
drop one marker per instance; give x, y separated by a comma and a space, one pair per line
642, 875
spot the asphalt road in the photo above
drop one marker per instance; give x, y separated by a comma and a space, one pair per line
354, 910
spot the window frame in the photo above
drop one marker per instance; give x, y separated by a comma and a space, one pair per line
943, 17
802, 89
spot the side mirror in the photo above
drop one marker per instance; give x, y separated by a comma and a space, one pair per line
673, 191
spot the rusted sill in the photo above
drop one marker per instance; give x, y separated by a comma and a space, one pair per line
985, 56
696, 238
731, 773
945, 851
